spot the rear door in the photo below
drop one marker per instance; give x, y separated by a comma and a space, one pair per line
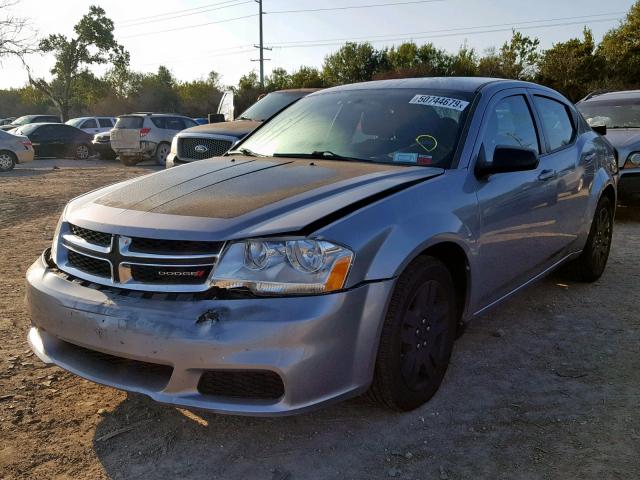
45, 141
572, 170
104, 124
516, 210
126, 133
90, 126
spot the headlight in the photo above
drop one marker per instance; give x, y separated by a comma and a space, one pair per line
300, 266
174, 145
633, 161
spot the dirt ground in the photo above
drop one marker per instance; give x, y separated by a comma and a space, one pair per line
547, 386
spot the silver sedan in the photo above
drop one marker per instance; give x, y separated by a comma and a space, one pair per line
14, 149
339, 249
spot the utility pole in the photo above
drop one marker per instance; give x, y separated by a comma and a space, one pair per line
261, 46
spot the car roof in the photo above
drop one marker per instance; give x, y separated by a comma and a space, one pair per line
618, 95
151, 114
461, 84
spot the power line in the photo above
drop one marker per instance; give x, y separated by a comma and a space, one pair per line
352, 7
190, 26
147, 17
456, 33
447, 30
185, 14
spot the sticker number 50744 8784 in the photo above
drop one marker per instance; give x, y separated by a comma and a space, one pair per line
444, 102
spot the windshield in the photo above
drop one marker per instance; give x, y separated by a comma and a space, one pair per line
74, 122
612, 113
268, 106
23, 120
400, 126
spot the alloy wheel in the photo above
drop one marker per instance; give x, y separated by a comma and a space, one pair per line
82, 152
6, 162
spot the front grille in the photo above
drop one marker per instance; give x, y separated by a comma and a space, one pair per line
90, 265
139, 263
91, 236
168, 247
170, 275
188, 147
251, 384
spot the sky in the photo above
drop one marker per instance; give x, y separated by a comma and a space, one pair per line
193, 37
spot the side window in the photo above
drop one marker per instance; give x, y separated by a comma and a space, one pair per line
160, 122
510, 125
89, 124
557, 122
175, 123
105, 122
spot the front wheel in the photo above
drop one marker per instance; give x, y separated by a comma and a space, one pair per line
590, 265
417, 337
162, 152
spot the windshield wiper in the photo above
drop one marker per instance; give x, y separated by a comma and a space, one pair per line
244, 151
320, 155
243, 118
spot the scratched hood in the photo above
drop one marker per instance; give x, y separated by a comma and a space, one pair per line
224, 198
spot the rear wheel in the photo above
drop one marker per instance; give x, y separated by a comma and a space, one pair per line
417, 337
162, 152
81, 152
590, 265
8, 160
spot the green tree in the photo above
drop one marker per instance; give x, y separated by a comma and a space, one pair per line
464, 63
278, 80
572, 67
247, 92
516, 59
353, 62
620, 48
93, 43
198, 98
307, 77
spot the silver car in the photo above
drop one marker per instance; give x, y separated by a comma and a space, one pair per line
14, 149
340, 249
619, 113
142, 136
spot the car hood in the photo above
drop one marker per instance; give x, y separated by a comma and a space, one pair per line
625, 140
226, 197
237, 128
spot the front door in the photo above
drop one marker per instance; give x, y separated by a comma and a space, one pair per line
516, 208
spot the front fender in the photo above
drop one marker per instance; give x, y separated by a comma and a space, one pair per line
387, 235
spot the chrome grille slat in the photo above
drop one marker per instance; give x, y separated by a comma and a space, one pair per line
158, 265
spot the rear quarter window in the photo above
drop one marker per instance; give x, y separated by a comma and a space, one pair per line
129, 122
105, 122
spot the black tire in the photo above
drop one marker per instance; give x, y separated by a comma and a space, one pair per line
590, 265
417, 337
8, 160
162, 152
129, 161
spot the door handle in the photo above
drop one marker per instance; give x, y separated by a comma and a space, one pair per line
547, 175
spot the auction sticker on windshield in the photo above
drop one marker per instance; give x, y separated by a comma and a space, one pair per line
444, 102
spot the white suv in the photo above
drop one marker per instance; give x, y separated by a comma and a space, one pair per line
142, 136
93, 125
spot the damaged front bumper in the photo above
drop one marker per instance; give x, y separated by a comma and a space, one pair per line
316, 349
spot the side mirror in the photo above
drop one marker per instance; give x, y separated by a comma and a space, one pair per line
508, 159
600, 129
216, 117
